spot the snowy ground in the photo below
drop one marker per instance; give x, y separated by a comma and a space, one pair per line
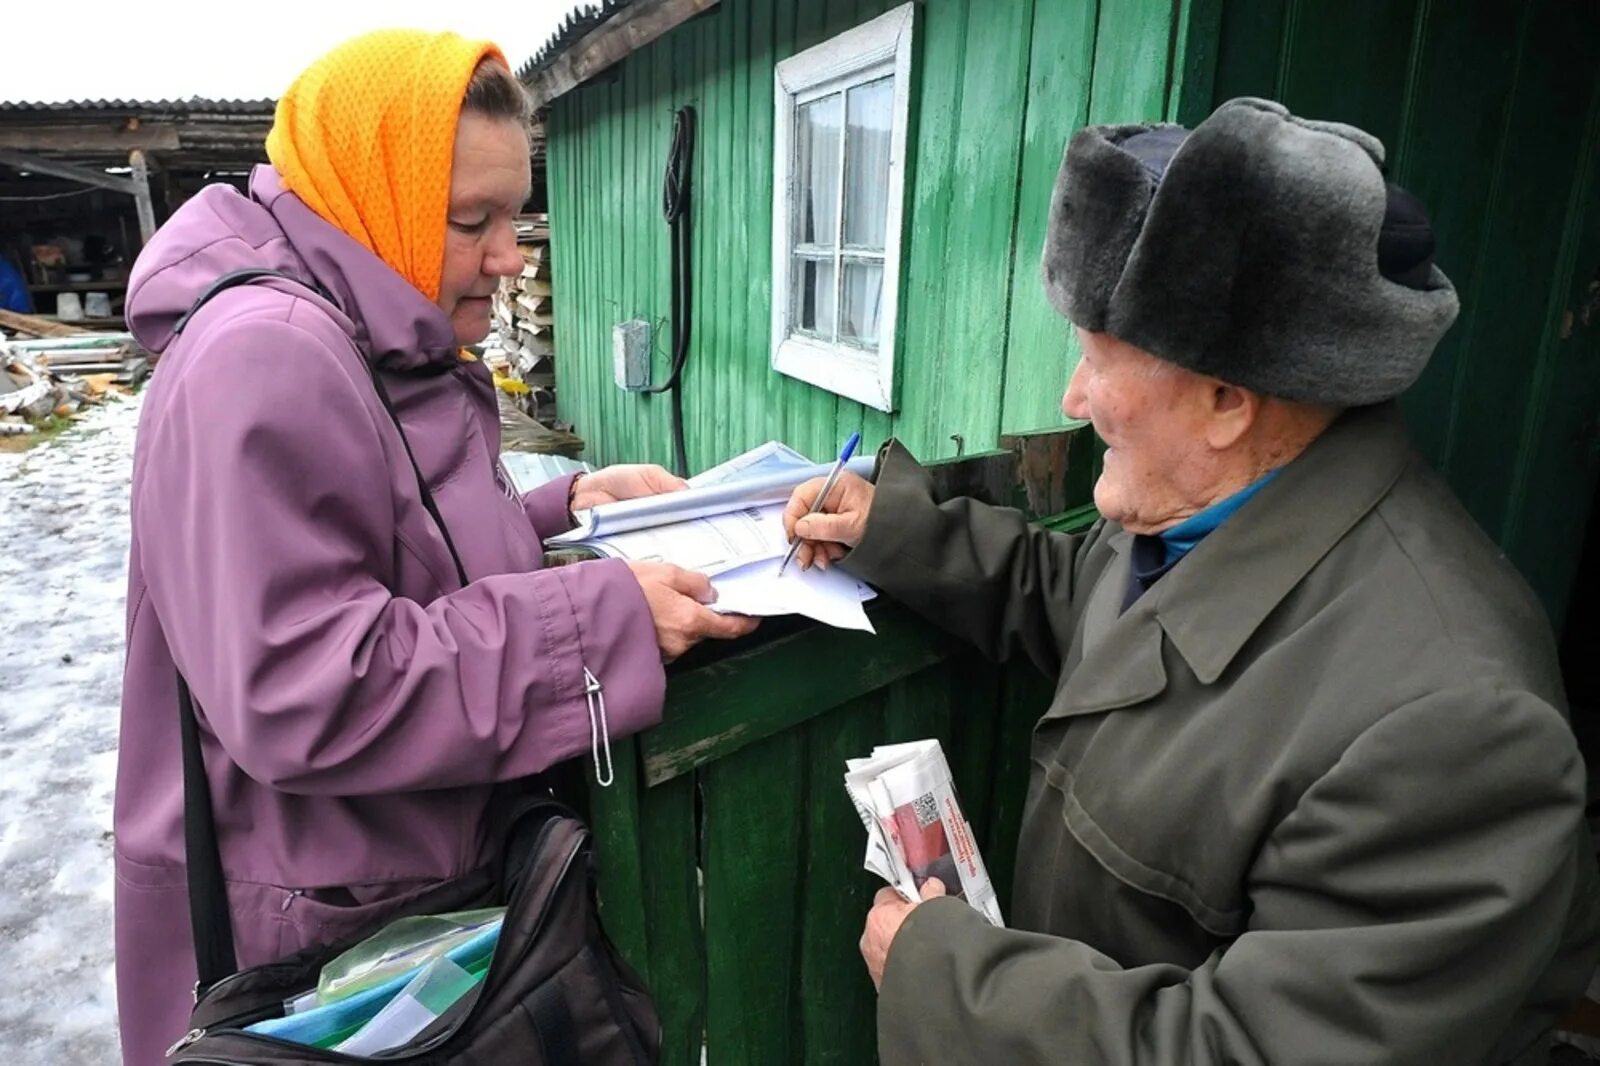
63, 568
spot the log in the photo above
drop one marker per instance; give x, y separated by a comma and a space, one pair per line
34, 326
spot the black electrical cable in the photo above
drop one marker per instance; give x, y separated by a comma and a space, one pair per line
675, 208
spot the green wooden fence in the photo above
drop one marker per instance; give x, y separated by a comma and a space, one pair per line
731, 858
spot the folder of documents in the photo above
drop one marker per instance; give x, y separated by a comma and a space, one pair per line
728, 525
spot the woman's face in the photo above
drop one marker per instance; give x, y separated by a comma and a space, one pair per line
488, 184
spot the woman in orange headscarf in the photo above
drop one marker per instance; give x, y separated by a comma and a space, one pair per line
324, 549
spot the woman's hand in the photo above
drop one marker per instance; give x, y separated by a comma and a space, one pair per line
677, 599
628, 481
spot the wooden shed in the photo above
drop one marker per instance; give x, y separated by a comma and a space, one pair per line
87, 182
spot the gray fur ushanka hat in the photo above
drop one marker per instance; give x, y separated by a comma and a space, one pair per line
1247, 250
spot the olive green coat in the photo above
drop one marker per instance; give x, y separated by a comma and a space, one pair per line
1312, 799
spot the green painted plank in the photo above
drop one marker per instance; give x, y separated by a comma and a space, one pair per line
781, 400
1327, 42
838, 1022
975, 259
1193, 82
923, 706
727, 394
727, 431
1249, 49
1558, 459
1133, 47
1448, 157
933, 200
716, 710
566, 229
1041, 347
974, 684
656, 127
760, 420
633, 295
707, 365
752, 849
569, 277
1025, 696
614, 819
1520, 279
669, 847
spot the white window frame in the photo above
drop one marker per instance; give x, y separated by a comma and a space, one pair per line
869, 51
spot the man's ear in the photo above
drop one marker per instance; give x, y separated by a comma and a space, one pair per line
1232, 412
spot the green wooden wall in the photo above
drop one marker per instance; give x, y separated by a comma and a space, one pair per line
1000, 84
1491, 113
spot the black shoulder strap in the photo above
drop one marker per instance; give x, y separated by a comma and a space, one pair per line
208, 897
233, 280
208, 900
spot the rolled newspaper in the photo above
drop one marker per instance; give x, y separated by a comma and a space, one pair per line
915, 828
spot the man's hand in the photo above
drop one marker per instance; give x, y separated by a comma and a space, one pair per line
834, 530
888, 914
625, 482
677, 597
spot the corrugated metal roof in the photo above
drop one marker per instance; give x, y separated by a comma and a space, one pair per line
580, 21
193, 105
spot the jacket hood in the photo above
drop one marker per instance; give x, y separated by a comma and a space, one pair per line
221, 230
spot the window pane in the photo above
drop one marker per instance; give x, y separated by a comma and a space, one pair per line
816, 171
863, 296
870, 112
813, 297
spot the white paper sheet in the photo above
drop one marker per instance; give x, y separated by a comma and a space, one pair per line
710, 545
769, 458
829, 596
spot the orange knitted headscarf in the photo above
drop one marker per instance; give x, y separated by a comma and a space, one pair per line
365, 136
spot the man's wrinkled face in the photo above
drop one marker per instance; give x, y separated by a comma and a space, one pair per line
488, 185
1152, 417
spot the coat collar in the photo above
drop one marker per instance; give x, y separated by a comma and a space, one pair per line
1210, 604
1240, 573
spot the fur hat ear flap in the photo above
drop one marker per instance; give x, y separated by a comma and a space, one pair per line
1096, 212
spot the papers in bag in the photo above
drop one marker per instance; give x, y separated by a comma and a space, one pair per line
426, 978
728, 525
915, 828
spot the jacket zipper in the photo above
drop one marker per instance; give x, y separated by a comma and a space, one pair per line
599, 730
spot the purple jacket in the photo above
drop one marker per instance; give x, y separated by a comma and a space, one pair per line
357, 705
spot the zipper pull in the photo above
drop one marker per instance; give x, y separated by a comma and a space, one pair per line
185, 1040
599, 731
289, 899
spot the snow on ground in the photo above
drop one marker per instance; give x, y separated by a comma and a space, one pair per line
63, 572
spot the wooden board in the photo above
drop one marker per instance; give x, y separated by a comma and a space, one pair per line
34, 326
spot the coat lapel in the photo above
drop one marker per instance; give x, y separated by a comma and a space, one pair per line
1211, 603
1121, 662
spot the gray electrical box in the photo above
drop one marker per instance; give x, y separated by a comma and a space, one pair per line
630, 354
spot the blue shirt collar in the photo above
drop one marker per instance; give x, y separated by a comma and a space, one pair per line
1181, 539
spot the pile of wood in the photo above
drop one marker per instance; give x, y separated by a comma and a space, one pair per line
77, 352
33, 391
522, 350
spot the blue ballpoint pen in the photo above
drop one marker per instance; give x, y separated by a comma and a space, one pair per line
845, 453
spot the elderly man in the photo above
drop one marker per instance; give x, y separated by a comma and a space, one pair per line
1306, 792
